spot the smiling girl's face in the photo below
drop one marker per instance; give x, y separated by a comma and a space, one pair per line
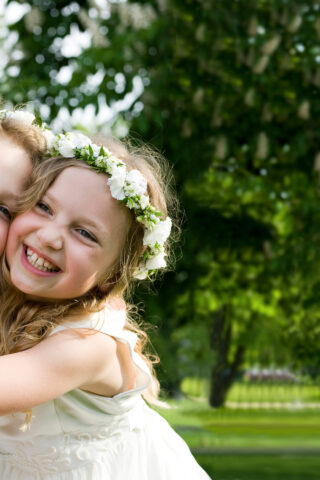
15, 168
74, 235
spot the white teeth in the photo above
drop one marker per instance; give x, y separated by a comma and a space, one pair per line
39, 262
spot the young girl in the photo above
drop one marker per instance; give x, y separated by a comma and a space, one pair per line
22, 145
91, 223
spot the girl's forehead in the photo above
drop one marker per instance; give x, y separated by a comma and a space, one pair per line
84, 184
84, 193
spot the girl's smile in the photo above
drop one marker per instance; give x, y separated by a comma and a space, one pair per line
66, 244
38, 263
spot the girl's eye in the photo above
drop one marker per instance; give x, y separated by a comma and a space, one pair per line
86, 234
42, 206
6, 212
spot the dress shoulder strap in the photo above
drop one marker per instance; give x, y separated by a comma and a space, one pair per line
105, 321
112, 322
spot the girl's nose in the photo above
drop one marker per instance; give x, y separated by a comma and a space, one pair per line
51, 237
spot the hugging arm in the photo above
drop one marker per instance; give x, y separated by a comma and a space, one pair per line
58, 364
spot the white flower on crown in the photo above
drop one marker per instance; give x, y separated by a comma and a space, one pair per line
95, 148
154, 218
136, 184
68, 142
156, 261
117, 181
108, 153
51, 139
158, 234
21, 116
115, 161
65, 147
102, 162
144, 201
80, 140
141, 273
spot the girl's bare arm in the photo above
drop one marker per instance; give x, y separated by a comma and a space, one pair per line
58, 364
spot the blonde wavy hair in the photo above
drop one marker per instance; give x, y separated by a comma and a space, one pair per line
24, 323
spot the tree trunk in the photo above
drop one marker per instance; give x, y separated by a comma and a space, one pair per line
224, 371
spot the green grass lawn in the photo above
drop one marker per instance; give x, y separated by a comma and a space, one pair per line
249, 444
204, 427
257, 467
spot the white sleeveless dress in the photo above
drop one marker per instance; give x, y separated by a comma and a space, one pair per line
83, 436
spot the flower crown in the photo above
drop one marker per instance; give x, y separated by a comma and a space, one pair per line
129, 188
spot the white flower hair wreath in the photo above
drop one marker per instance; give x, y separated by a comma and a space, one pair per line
130, 188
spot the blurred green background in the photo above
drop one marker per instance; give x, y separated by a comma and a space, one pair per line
229, 92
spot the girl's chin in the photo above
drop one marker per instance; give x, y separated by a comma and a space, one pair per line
38, 297
24, 287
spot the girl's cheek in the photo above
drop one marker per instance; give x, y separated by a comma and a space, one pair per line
12, 239
4, 227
